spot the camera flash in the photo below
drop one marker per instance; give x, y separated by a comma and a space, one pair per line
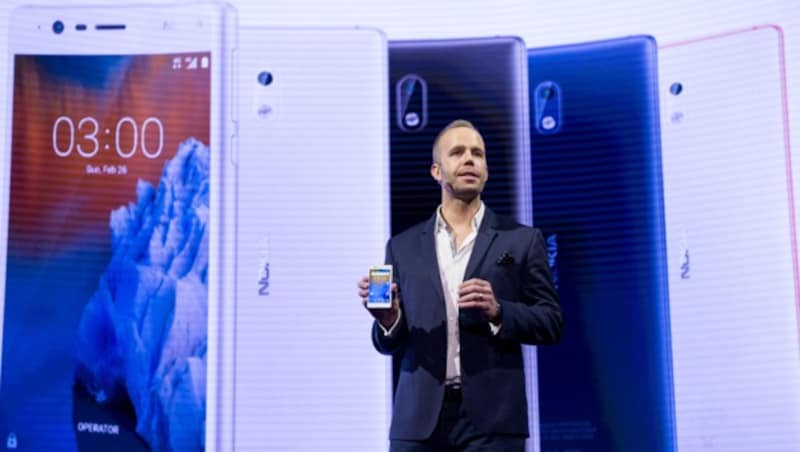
412, 119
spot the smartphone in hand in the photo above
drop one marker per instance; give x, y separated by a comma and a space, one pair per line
380, 287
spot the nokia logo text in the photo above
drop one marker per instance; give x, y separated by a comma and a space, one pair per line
263, 281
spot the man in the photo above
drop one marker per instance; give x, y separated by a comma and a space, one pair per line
470, 288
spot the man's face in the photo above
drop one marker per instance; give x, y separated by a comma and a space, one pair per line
461, 167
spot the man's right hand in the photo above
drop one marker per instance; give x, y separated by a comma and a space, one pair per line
386, 317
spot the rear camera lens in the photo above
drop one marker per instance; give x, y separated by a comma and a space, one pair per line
264, 78
676, 88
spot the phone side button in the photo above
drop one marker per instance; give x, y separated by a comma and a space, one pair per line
234, 94
233, 150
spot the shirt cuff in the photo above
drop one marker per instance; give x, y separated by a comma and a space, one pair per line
394, 325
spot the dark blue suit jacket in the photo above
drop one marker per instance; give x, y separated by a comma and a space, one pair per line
492, 370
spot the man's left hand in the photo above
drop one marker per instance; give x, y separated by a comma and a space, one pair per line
477, 294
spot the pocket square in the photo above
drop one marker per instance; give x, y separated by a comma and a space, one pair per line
505, 259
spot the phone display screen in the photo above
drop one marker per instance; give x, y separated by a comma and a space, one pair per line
380, 286
105, 330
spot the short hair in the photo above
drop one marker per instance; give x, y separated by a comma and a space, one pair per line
452, 125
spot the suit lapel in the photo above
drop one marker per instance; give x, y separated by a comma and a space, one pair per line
486, 235
429, 260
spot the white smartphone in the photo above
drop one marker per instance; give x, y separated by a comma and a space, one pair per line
380, 287
110, 199
731, 235
313, 207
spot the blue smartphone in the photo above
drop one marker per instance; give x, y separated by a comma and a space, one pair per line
597, 196
433, 82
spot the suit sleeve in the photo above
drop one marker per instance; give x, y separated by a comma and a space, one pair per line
536, 318
388, 344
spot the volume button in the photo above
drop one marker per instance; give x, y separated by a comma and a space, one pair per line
234, 92
233, 150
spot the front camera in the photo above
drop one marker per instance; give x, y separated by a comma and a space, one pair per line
58, 27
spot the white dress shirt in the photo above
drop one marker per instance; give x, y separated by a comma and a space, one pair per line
452, 266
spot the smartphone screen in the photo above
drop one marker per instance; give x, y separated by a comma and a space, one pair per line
380, 287
105, 336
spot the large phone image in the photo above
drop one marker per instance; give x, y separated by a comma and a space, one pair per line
731, 232
485, 81
313, 214
108, 228
597, 196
